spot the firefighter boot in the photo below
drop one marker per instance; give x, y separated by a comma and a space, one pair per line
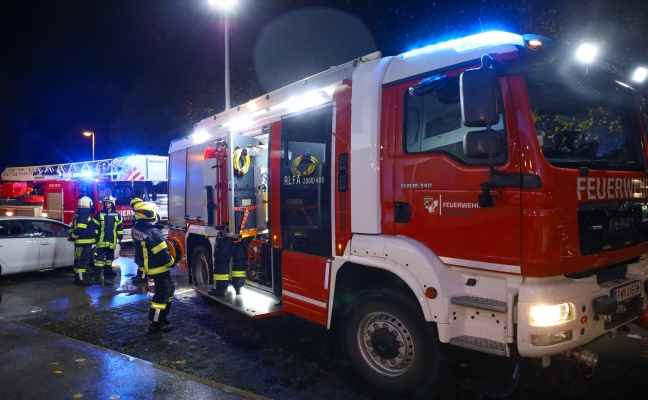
238, 283
99, 278
157, 327
98, 275
218, 290
81, 279
108, 271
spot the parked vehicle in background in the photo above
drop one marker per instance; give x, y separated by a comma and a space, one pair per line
162, 203
33, 243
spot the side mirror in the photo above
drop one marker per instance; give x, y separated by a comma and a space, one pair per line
482, 144
478, 92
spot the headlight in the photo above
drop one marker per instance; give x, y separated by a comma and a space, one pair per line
551, 315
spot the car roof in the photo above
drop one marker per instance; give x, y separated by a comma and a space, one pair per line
12, 218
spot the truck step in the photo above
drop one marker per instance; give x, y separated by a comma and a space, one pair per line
480, 302
480, 344
253, 302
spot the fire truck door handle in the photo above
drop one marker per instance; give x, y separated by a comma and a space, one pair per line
402, 212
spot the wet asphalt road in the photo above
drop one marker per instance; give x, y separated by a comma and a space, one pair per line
282, 357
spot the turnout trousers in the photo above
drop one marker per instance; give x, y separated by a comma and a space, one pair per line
226, 249
82, 261
162, 298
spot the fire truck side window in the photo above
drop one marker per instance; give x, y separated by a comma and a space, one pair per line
305, 191
433, 123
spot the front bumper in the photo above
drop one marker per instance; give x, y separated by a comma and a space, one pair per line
585, 324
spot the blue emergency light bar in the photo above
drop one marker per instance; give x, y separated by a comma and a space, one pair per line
469, 43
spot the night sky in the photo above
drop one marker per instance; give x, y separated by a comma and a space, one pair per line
140, 73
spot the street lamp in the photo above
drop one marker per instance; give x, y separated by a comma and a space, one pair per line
89, 133
226, 6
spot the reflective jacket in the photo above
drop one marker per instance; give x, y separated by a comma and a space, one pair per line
111, 228
151, 252
83, 228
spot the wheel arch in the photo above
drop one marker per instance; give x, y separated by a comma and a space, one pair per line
398, 263
193, 241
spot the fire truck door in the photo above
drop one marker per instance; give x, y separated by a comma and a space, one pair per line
54, 203
435, 187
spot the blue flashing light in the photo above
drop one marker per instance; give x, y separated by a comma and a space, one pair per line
469, 43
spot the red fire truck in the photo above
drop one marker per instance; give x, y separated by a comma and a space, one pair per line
58, 187
488, 192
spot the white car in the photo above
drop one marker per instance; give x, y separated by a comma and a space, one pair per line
32, 243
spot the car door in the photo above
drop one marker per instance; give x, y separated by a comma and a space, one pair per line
55, 250
18, 251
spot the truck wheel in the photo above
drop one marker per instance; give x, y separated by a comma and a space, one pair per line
390, 344
201, 266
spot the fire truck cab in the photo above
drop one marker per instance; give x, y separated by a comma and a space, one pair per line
488, 193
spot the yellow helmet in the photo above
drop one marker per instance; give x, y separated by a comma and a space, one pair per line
135, 201
145, 211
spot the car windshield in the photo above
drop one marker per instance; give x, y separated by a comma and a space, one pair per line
580, 126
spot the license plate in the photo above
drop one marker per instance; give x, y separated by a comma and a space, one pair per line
627, 291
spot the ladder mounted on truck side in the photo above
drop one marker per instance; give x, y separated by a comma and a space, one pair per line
128, 168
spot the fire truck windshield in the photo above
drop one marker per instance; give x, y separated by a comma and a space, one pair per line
124, 192
584, 126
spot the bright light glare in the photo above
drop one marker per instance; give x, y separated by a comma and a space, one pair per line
87, 174
307, 100
238, 123
199, 136
224, 4
640, 74
470, 43
550, 315
586, 53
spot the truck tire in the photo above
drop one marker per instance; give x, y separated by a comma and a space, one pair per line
377, 328
201, 266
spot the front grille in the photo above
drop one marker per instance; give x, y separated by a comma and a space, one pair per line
612, 225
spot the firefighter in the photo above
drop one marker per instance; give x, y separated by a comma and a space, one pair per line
152, 253
111, 231
237, 250
83, 231
140, 275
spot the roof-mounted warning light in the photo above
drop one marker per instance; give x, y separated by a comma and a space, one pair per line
469, 43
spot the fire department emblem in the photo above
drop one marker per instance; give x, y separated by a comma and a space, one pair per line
431, 204
306, 169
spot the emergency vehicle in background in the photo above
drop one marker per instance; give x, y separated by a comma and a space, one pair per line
54, 190
488, 192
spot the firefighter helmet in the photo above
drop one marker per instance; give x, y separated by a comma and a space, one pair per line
145, 211
135, 201
85, 202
